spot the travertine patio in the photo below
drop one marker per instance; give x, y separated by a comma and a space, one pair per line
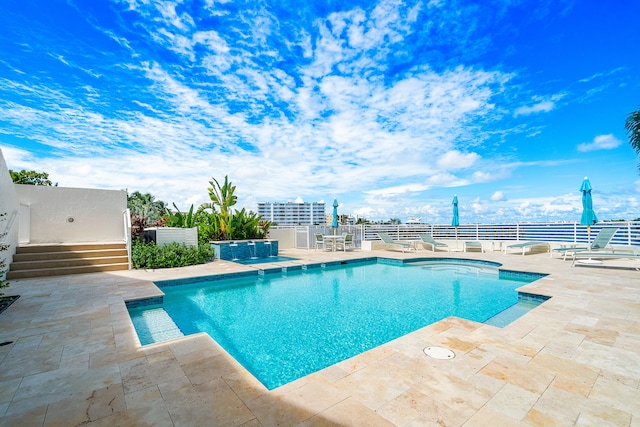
575, 360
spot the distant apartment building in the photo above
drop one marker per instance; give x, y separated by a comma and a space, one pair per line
293, 213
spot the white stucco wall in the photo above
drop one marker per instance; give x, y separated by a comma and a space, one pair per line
8, 204
286, 237
73, 215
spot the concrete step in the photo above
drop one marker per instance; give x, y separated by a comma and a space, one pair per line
44, 272
73, 262
67, 247
42, 256
41, 260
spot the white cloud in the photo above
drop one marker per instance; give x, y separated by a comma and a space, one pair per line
600, 142
497, 196
541, 105
454, 159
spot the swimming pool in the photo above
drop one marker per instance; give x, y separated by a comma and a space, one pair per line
283, 326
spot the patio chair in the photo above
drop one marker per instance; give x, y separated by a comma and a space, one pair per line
600, 242
388, 241
528, 245
427, 239
345, 242
323, 243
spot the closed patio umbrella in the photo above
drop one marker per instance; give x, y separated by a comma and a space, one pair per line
456, 220
334, 220
588, 215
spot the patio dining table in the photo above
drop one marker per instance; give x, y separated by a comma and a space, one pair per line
334, 240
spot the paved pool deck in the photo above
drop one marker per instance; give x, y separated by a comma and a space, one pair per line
575, 360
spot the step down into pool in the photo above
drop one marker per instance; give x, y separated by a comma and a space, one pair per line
155, 325
512, 313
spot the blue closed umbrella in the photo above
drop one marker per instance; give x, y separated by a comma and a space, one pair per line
334, 220
588, 215
456, 220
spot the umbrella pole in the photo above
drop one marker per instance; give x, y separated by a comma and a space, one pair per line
456, 238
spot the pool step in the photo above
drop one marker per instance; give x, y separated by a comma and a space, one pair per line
512, 313
154, 325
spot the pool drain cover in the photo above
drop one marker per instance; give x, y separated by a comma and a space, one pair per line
439, 353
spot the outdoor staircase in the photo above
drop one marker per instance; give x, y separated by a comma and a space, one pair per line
59, 259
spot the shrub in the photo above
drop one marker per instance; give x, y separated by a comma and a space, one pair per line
150, 255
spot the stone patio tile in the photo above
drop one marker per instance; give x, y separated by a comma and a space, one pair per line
617, 394
603, 415
569, 375
487, 417
224, 406
521, 376
8, 389
513, 402
381, 386
559, 405
23, 415
138, 373
613, 359
83, 408
60, 384
348, 412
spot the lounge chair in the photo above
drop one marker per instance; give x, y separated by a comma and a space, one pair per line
600, 242
473, 245
388, 241
632, 253
427, 240
528, 245
345, 242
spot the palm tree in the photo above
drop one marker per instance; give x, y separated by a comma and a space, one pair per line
633, 130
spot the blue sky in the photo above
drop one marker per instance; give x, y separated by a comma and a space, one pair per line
392, 107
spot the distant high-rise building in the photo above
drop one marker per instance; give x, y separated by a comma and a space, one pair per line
293, 213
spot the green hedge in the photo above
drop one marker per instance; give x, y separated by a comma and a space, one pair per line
150, 255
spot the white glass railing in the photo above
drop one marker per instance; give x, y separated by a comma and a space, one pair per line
559, 232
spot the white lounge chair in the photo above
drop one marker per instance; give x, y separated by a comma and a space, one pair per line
427, 240
600, 242
580, 256
388, 241
527, 245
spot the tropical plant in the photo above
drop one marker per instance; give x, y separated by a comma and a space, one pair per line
31, 178
632, 125
146, 206
179, 219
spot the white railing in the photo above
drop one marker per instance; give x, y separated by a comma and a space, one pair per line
566, 232
559, 232
127, 233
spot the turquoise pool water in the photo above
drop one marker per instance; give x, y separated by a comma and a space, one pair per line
284, 326
278, 258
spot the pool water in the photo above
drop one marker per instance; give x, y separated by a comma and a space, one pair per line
278, 258
284, 326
